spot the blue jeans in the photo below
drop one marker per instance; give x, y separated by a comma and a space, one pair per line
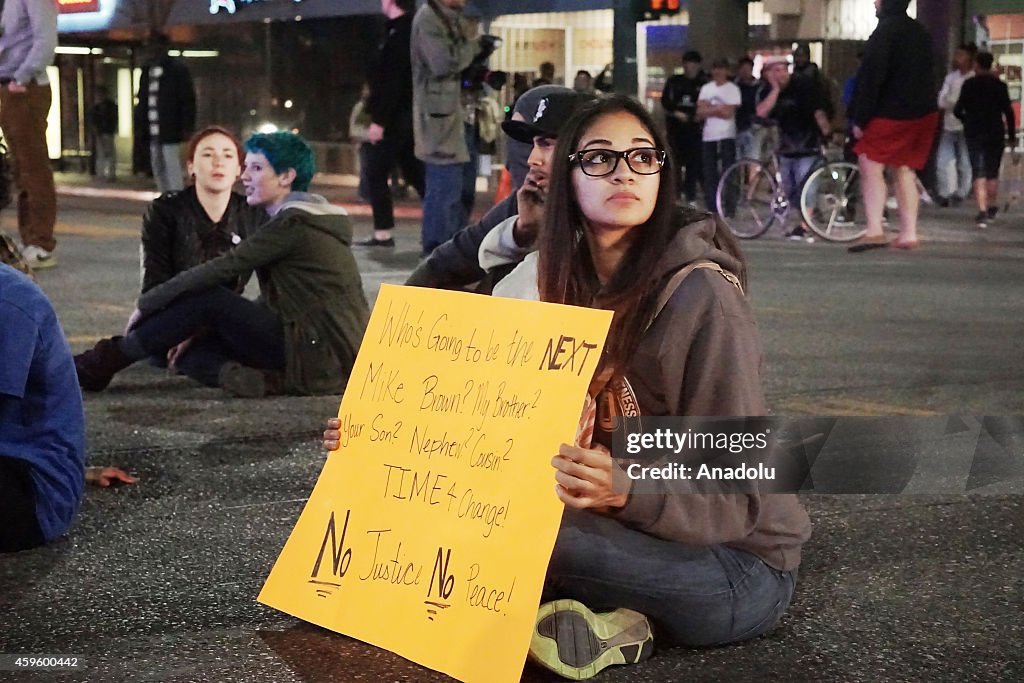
469, 173
696, 596
442, 205
794, 171
953, 165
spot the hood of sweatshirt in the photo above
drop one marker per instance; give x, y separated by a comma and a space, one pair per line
320, 214
694, 240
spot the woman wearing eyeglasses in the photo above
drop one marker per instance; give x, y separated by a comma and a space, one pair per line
704, 569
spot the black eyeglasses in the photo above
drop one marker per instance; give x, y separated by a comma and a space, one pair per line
602, 162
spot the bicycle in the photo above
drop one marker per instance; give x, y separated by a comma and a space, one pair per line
750, 199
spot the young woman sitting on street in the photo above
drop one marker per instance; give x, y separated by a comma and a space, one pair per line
302, 335
705, 568
184, 229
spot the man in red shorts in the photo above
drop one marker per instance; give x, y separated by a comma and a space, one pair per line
894, 117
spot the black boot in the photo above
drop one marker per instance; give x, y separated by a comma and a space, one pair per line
97, 366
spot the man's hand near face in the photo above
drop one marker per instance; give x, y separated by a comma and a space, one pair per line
531, 198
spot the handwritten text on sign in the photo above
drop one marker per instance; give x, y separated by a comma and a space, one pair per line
429, 530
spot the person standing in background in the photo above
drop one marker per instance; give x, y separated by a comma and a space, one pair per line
748, 131
894, 120
166, 113
28, 39
104, 128
679, 100
390, 135
983, 106
547, 75
954, 187
716, 107
441, 48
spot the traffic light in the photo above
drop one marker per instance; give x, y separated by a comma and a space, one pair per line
648, 10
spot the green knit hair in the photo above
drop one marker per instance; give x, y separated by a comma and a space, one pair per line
285, 150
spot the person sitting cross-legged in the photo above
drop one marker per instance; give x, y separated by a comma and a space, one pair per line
301, 337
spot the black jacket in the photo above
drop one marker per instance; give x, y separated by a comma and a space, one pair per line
104, 117
983, 105
896, 79
456, 263
177, 234
680, 94
175, 103
390, 79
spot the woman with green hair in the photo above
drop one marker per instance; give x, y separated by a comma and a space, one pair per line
302, 335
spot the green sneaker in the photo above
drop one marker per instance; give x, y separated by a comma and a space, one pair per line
576, 643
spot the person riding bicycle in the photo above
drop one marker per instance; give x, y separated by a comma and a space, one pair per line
796, 105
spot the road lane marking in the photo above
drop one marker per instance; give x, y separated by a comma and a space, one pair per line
846, 407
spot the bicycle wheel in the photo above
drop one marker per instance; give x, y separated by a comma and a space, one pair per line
830, 202
745, 199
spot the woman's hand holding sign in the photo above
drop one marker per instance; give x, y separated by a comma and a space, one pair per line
584, 478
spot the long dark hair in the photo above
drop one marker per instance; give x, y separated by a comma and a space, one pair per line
566, 271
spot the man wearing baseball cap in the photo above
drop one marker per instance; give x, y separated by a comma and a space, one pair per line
534, 125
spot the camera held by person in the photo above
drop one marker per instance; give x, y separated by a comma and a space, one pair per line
473, 75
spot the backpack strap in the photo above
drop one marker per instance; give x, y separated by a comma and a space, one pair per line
677, 279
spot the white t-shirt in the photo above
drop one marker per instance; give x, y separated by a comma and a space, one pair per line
716, 128
948, 96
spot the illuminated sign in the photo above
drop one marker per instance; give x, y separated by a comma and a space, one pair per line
653, 9
76, 6
232, 6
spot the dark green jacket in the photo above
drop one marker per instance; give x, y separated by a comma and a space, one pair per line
308, 278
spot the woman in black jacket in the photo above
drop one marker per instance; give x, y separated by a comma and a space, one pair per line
184, 229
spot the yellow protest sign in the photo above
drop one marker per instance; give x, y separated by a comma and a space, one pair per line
429, 530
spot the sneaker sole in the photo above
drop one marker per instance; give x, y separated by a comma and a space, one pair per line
42, 265
576, 643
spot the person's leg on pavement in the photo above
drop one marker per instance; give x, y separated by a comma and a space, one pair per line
412, 168
379, 160
109, 149
441, 203
469, 173
745, 144
726, 158
20, 529
203, 360
691, 160
977, 155
157, 164
250, 332
946, 167
172, 167
709, 173
874, 192
993, 160
963, 167
695, 596
23, 119
908, 200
